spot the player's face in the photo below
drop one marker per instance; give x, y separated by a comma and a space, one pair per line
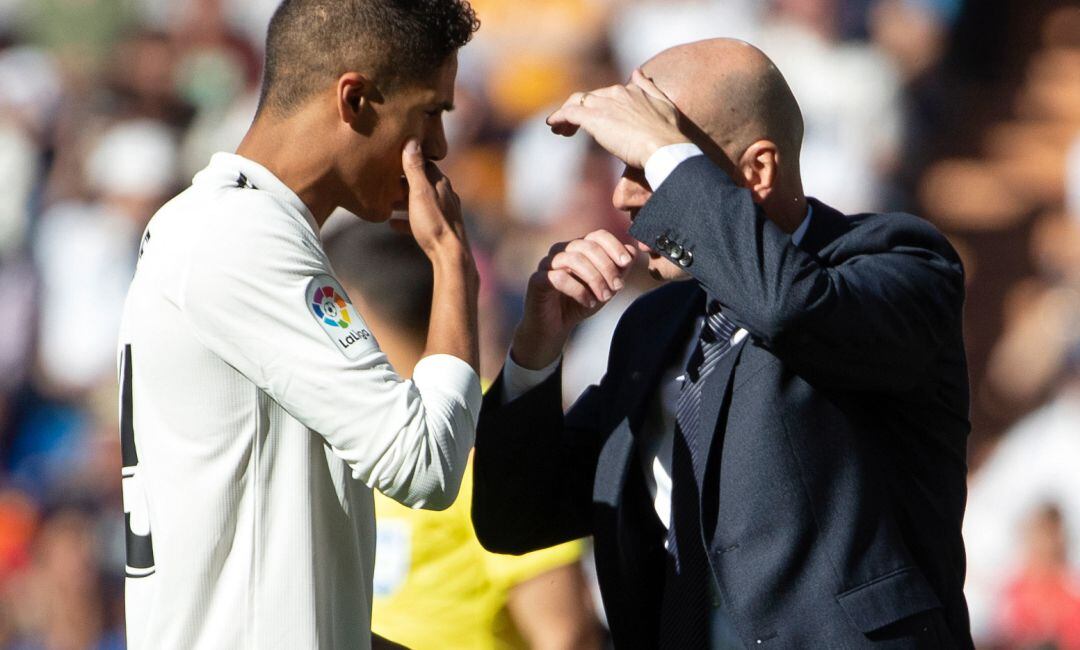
412, 111
631, 193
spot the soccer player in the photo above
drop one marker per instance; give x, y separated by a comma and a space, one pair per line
258, 411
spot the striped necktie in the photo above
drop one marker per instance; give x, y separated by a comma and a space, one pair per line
687, 604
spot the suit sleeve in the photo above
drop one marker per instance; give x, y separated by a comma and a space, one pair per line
271, 309
534, 467
873, 320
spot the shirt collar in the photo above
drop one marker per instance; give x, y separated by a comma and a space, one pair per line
800, 232
260, 178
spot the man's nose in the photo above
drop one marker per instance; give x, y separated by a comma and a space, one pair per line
628, 195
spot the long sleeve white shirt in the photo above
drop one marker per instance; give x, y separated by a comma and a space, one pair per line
258, 413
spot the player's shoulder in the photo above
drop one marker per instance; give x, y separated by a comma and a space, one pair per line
232, 221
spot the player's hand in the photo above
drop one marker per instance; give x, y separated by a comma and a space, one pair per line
630, 121
434, 208
573, 282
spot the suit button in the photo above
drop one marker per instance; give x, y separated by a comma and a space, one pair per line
662, 243
676, 252
687, 259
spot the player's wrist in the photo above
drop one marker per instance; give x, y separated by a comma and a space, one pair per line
454, 259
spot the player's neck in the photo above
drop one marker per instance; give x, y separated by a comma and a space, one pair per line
290, 150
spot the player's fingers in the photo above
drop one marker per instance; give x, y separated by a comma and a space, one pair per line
416, 171
600, 259
445, 191
615, 248
583, 268
572, 288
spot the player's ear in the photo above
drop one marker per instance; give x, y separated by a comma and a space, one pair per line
759, 169
355, 94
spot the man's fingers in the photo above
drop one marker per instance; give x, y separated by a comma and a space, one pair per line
638, 78
583, 269
615, 248
566, 120
572, 288
601, 259
607, 92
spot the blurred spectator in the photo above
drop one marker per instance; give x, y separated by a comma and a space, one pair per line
143, 79
849, 95
1041, 607
58, 602
86, 252
80, 34
431, 562
1035, 462
640, 29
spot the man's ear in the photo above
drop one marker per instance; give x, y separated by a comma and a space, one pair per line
759, 167
355, 94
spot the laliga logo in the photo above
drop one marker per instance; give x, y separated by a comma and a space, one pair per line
330, 307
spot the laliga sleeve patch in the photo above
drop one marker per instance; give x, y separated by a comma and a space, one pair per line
331, 309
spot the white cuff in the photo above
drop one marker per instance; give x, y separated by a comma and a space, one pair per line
518, 380
452, 377
664, 161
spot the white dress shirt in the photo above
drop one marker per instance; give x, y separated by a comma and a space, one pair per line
659, 426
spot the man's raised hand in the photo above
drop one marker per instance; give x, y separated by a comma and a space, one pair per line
630, 121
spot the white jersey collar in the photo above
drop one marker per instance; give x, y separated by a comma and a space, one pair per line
249, 173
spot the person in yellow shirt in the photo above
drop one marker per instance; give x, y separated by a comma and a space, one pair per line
434, 585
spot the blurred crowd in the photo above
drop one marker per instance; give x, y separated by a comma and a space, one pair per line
966, 113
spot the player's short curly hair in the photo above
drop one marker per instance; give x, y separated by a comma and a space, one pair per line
312, 42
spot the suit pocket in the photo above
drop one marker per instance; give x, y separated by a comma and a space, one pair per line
887, 599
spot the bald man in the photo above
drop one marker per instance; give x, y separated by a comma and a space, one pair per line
776, 454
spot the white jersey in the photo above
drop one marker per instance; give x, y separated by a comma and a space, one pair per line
257, 414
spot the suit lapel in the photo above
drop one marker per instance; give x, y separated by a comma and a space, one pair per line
714, 396
672, 328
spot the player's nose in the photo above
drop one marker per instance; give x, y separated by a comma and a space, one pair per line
435, 145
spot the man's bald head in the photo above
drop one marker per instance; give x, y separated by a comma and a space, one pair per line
733, 93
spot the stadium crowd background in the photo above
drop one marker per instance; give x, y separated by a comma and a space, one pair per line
966, 113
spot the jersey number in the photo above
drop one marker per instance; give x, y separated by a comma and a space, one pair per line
139, 542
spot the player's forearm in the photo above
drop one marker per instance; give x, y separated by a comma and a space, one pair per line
453, 325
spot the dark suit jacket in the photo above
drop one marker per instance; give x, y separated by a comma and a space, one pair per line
834, 486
